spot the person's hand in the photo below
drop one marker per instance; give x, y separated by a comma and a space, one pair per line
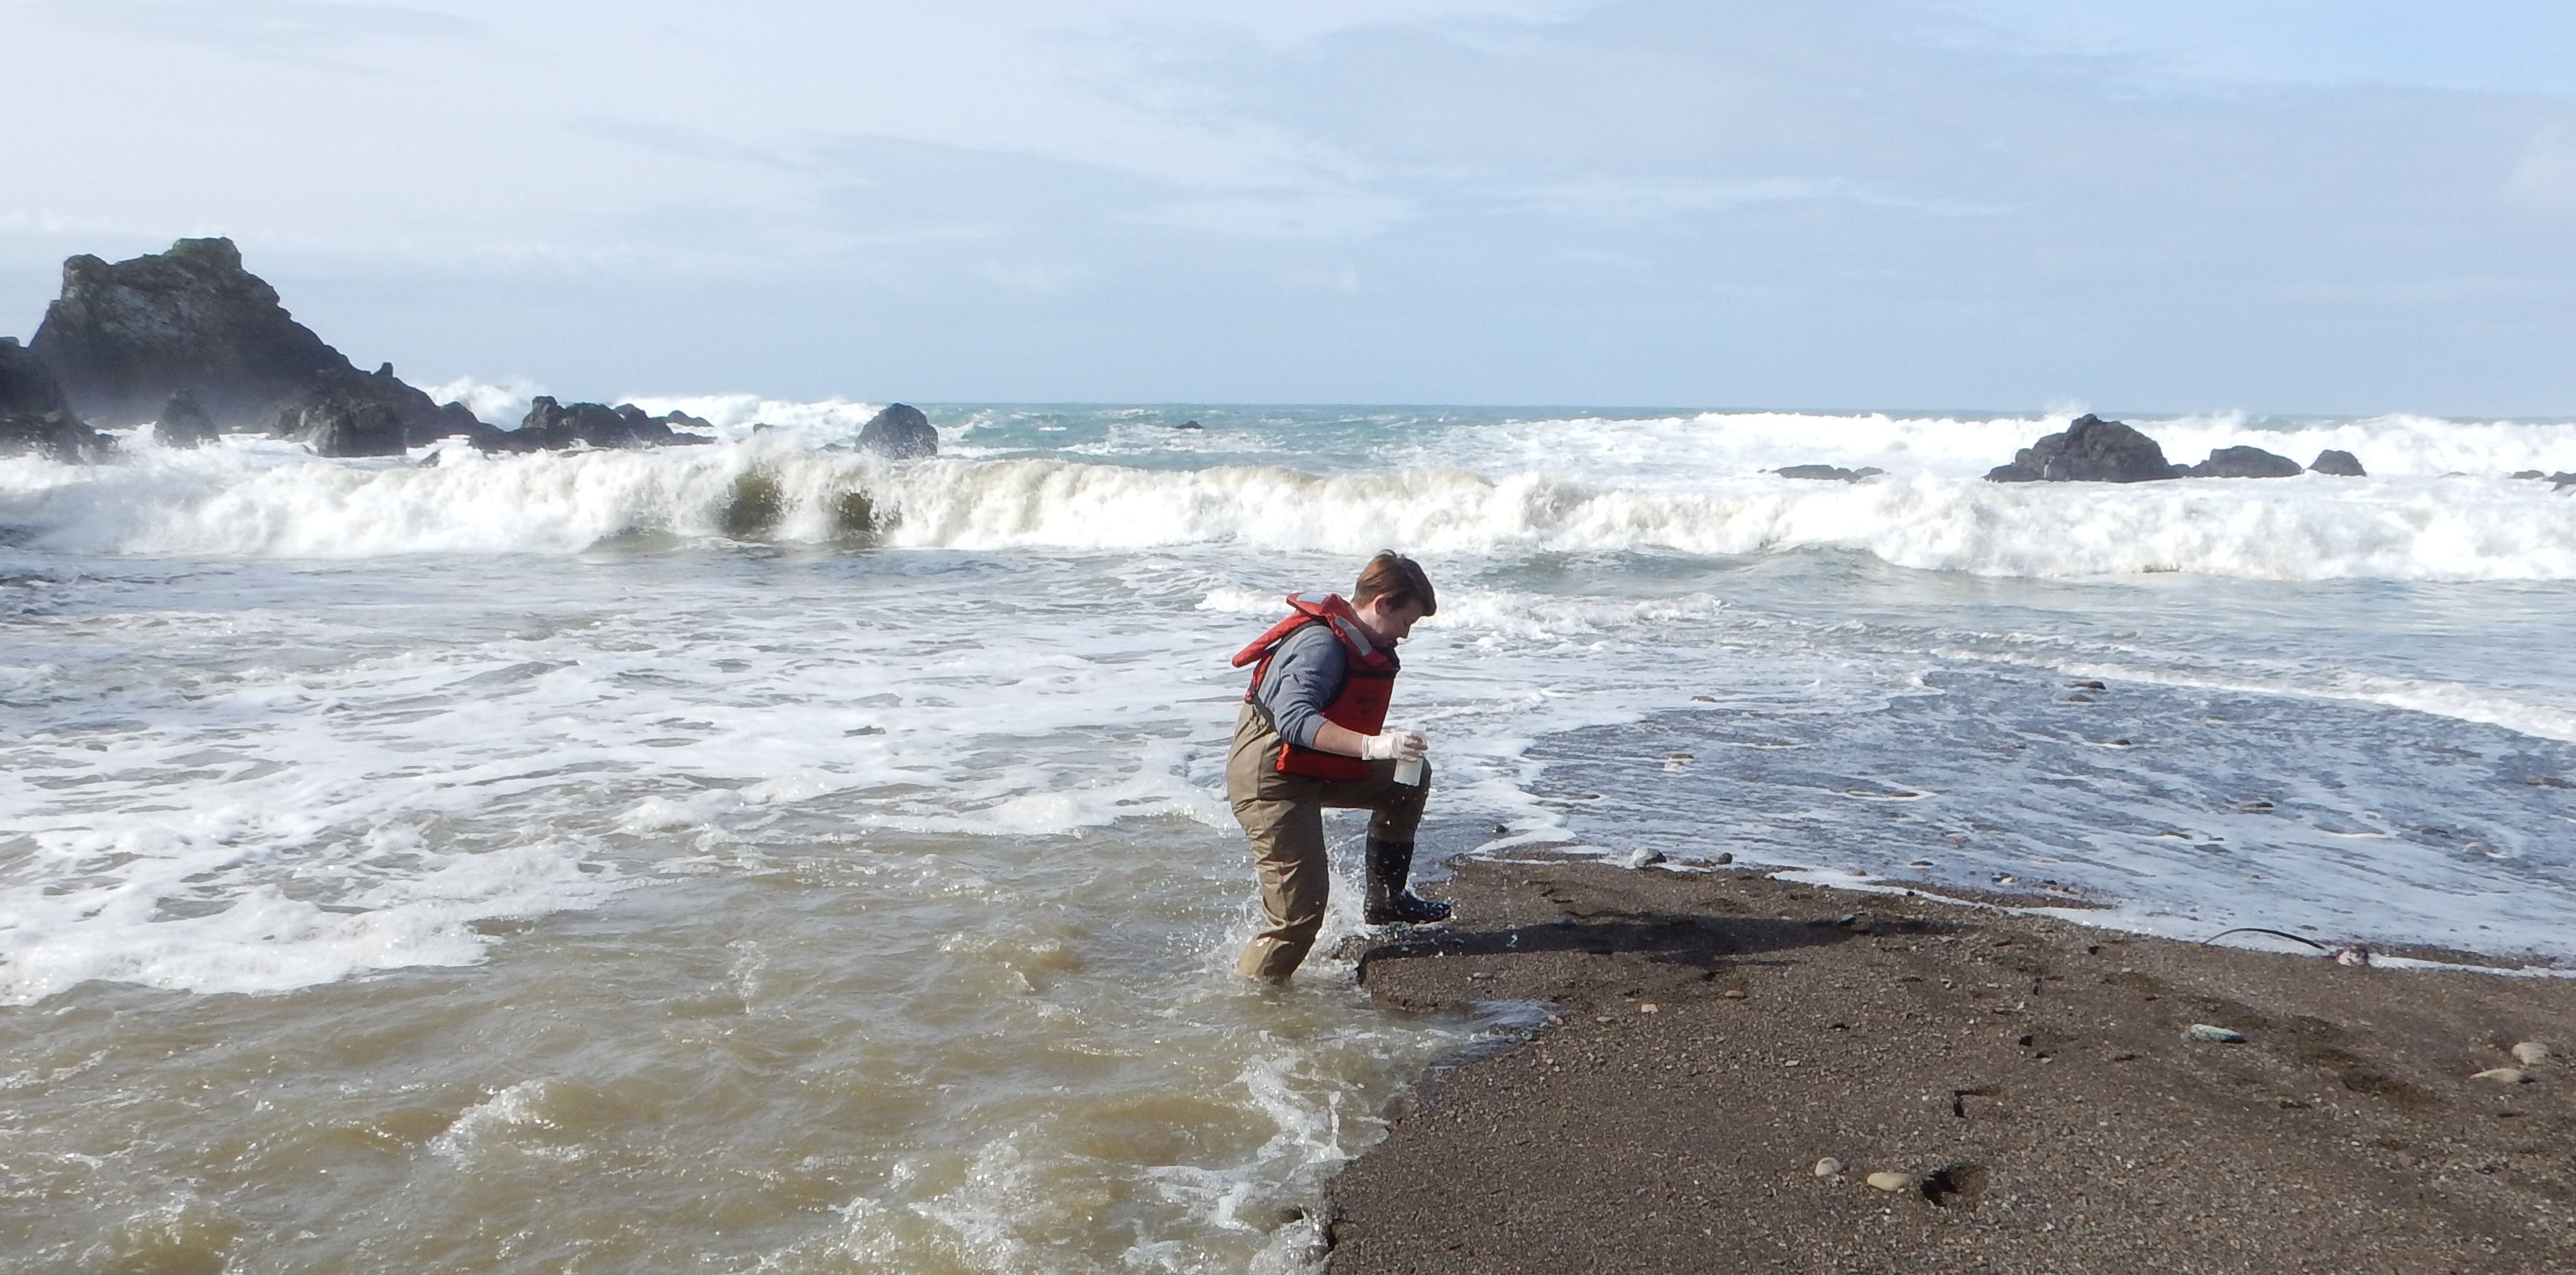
1394, 745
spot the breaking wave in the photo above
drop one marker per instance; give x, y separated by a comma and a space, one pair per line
262, 499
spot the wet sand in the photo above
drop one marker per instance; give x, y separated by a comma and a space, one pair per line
1716, 1034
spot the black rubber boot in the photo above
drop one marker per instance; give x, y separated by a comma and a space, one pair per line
1390, 865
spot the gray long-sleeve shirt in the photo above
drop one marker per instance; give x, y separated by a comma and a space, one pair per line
1305, 675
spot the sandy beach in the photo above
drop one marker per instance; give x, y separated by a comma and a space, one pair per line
1718, 1036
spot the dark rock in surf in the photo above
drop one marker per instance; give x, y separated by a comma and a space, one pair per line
2337, 464
123, 338
553, 426
349, 414
1828, 473
2526, 473
900, 432
56, 436
2089, 450
1189, 425
2245, 462
456, 420
33, 417
183, 422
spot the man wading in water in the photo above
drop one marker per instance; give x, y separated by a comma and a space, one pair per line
1312, 734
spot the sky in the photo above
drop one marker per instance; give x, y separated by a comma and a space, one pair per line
2297, 207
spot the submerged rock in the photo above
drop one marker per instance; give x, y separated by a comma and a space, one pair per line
2245, 462
2089, 450
2338, 464
1828, 473
900, 432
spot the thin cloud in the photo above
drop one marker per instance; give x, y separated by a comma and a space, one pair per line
268, 29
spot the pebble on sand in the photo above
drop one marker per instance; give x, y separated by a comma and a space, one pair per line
1645, 858
1733, 993
1828, 1167
2208, 1035
1891, 1180
2503, 1075
1723, 857
2529, 1052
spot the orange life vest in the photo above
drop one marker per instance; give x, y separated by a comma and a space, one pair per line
1361, 705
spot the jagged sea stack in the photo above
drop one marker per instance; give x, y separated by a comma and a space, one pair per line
125, 337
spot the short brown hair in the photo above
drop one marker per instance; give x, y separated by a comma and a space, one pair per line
1396, 578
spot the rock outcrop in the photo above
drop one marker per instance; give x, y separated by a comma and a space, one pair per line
1828, 473
123, 338
2245, 462
33, 417
900, 432
183, 422
551, 426
2091, 450
348, 414
2338, 464
27, 387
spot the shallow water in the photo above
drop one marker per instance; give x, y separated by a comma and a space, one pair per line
494, 865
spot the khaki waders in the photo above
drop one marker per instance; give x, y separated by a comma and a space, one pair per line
1284, 817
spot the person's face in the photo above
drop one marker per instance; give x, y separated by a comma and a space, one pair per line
1390, 624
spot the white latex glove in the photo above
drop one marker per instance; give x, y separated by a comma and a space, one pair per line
1394, 745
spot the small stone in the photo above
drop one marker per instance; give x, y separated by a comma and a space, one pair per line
1920, 863
1645, 858
1649, 1008
1733, 993
1828, 1167
1724, 857
2503, 1075
1891, 1180
2089, 684
2530, 1052
2208, 1035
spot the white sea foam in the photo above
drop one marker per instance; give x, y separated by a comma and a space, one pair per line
256, 499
